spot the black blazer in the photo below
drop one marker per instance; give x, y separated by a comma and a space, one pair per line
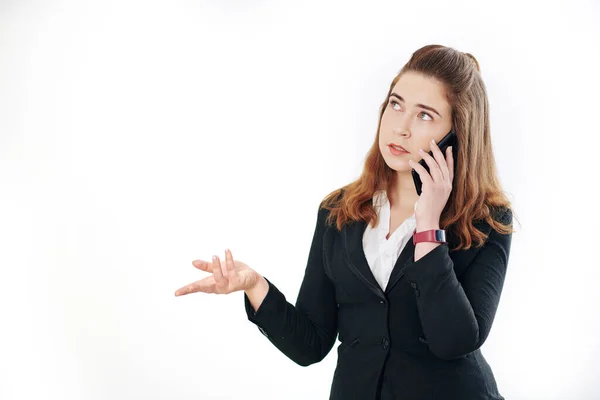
419, 339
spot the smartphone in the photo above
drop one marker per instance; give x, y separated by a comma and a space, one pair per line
449, 140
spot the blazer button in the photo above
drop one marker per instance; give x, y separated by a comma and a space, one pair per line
414, 285
385, 343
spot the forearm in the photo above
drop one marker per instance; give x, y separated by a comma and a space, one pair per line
457, 316
422, 248
290, 329
447, 317
445, 311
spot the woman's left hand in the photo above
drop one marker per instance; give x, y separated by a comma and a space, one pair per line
437, 185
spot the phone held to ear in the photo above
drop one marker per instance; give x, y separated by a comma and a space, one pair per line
448, 140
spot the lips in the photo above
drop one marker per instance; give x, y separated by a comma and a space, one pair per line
398, 147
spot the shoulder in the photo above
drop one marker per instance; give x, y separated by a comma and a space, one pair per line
503, 215
494, 228
499, 231
497, 215
332, 200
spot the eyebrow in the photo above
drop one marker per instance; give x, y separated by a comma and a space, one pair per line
418, 105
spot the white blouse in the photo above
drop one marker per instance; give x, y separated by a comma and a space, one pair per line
382, 253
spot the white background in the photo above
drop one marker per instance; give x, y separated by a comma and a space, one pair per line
137, 136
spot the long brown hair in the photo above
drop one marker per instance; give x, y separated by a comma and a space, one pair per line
477, 192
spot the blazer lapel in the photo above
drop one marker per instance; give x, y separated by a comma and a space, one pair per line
352, 235
358, 264
407, 253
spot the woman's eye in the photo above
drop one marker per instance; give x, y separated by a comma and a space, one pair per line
424, 113
396, 106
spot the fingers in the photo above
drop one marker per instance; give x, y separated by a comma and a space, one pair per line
218, 282
441, 161
203, 265
423, 174
230, 264
450, 161
434, 169
219, 272
232, 275
206, 285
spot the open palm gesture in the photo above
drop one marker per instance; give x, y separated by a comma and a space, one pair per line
224, 279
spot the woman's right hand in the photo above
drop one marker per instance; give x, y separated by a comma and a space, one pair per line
224, 279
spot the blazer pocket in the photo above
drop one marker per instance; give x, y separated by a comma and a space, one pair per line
345, 346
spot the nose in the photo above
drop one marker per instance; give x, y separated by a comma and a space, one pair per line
401, 132
401, 126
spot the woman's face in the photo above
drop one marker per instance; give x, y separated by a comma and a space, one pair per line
416, 112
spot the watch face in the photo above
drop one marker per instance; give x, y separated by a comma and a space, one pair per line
440, 235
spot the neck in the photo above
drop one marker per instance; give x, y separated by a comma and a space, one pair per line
404, 196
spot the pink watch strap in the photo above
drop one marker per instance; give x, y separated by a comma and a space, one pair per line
431, 235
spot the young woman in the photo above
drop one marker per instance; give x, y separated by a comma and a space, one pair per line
411, 283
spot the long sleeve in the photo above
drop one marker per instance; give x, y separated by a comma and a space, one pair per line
307, 331
457, 316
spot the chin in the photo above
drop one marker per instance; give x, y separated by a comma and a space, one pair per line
398, 165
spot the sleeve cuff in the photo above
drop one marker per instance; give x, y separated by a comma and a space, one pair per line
268, 305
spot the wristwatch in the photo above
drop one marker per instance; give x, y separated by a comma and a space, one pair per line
431, 235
